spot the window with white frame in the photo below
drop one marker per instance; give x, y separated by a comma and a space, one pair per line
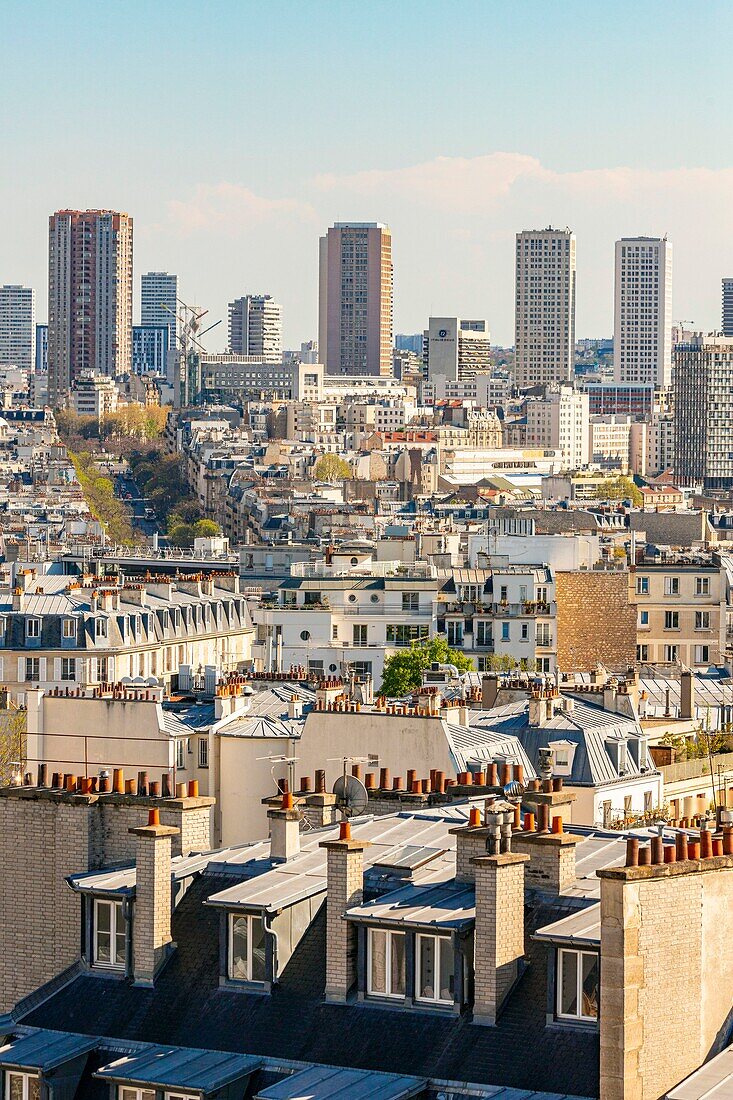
385, 963
203, 752
702, 586
671, 586
246, 948
180, 1096
702, 654
702, 620
68, 628
100, 628
110, 934
33, 628
577, 985
22, 1086
435, 969
68, 668
180, 755
127, 1092
642, 586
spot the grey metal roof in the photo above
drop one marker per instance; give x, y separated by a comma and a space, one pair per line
182, 721
445, 905
44, 1050
583, 927
479, 743
180, 1067
332, 1083
712, 1081
121, 880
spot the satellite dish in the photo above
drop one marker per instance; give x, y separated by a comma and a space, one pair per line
351, 795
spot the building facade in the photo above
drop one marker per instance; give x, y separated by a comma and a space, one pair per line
545, 306
356, 299
727, 307
18, 326
255, 327
457, 349
89, 296
159, 302
642, 331
150, 349
703, 410
560, 420
41, 360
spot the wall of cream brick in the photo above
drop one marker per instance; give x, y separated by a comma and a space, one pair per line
345, 889
666, 974
152, 918
499, 934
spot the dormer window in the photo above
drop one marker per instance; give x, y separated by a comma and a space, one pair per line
435, 970
386, 963
110, 935
577, 985
100, 628
246, 948
33, 628
68, 629
563, 755
127, 1092
22, 1086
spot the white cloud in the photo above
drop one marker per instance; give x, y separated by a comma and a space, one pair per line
232, 207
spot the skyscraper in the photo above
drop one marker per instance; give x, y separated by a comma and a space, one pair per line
703, 410
356, 299
255, 327
18, 326
159, 302
42, 348
727, 307
545, 307
642, 319
89, 296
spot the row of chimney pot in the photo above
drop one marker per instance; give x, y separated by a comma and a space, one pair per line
657, 852
103, 784
116, 691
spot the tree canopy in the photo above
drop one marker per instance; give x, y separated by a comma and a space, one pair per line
331, 467
403, 671
620, 488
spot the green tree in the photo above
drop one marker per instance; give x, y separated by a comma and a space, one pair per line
206, 529
620, 488
331, 467
403, 671
181, 534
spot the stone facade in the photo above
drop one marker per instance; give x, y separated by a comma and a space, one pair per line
666, 943
345, 877
596, 620
499, 931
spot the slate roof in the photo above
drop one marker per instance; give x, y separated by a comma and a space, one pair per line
187, 1007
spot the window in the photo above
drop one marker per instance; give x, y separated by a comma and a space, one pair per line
180, 755
642, 586
435, 976
702, 586
702, 620
33, 669
524, 632
305, 635
22, 1086
203, 752
33, 628
643, 618
386, 963
484, 633
702, 654
503, 593
68, 668
68, 628
671, 586
642, 653
110, 934
100, 628
454, 630
361, 668
404, 634
360, 634
671, 654
410, 601
334, 632
126, 1092
671, 620
505, 632
246, 948
577, 985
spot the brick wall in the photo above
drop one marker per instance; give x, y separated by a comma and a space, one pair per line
596, 621
345, 889
152, 923
499, 934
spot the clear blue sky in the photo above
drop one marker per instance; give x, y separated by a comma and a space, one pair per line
234, 132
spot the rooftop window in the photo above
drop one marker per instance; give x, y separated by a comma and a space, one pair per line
386, 963
246, 948
22, 1086
110, 934
577, 985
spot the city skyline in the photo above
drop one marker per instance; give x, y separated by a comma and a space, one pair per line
452, 175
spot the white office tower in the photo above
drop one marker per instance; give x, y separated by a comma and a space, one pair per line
159, 307
642, 323
544, 307
456, 349
727, 307
255, 327
559, 421
18, 326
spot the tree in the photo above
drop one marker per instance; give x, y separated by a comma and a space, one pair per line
331, 467
13, 741
403, 671
206, 529
181, 534
620, 488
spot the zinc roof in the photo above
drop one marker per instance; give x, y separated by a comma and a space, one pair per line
333, 1083
180, 1067
43, 1050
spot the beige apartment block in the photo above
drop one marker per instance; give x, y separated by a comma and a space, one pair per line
681, 609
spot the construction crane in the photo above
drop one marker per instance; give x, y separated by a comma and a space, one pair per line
188, 390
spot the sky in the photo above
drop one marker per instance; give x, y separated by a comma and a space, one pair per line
235, 132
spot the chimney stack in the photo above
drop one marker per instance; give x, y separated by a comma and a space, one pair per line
151, 925
499, 931
284, 830
344, 889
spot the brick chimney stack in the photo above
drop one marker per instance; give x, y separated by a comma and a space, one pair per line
284, 830
499, 931
151, 925
345, 888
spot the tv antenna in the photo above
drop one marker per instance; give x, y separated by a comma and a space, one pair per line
291, 761
190, 348
351, 794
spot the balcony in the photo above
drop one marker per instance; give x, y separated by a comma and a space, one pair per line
544, 641
382, 610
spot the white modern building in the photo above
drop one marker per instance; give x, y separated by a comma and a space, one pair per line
642, 327
159, 307
18, 326
255, 327
560, 420
544, 307
456, 349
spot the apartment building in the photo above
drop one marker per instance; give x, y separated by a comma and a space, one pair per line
356, 299
703, 410
255, 327
89, 297
18, 327
642, 331
456, 349
545, 307
559, 420
229, 377
681, 610
159, 304
94, 395
727, 328
57, 631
